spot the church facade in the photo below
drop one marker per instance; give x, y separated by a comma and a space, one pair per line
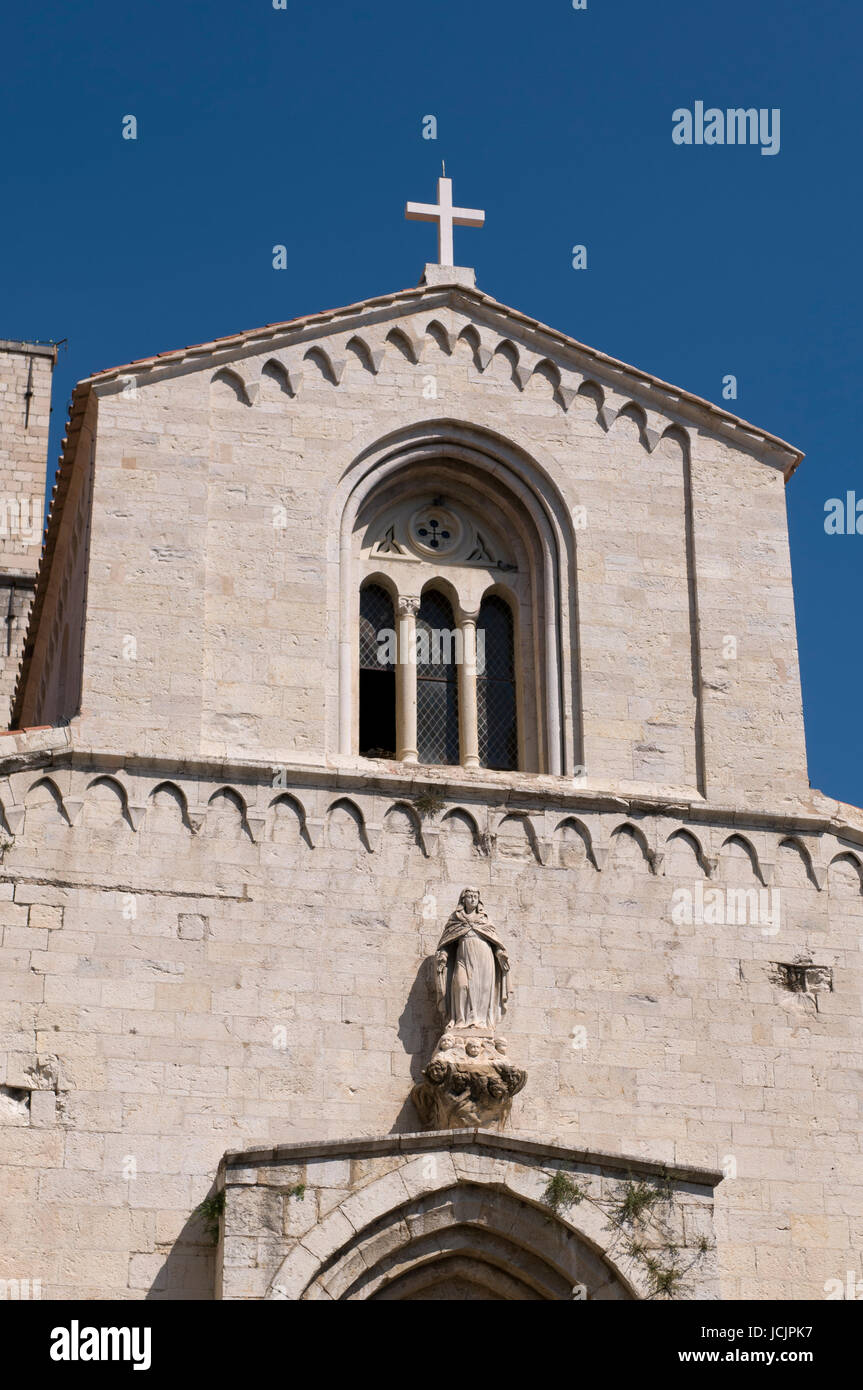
334, 620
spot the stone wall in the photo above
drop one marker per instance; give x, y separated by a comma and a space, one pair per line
49, 689
199, 963
25, 409
16, 602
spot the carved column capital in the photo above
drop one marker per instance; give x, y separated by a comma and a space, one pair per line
408, 605
467, 615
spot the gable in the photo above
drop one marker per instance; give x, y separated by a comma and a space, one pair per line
236, 488
414, 327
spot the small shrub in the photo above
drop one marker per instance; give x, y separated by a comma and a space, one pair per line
428, 804
639, 1198
210, 1210
664, 1279
561, 1193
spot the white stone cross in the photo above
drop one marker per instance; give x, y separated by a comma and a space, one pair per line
446, 217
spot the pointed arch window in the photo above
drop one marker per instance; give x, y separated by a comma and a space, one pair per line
377, 676
497, 726
437, 681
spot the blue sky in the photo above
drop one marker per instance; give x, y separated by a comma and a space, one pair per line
303, 126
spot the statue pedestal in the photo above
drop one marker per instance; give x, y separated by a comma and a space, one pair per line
468, 1082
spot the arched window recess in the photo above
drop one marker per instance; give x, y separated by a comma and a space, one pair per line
470, 538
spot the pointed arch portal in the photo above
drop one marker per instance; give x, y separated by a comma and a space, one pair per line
445, 1215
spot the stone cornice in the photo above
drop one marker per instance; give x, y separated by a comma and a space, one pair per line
547, 1152
29, 349
56, 748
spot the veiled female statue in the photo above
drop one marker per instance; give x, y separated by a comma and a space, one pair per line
471, 967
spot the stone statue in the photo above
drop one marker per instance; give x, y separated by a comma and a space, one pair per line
469, 1080
471, 967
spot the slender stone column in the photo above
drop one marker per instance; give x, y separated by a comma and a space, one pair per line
467, 711
406, 681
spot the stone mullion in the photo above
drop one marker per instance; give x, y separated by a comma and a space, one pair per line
406, 681
468, 721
